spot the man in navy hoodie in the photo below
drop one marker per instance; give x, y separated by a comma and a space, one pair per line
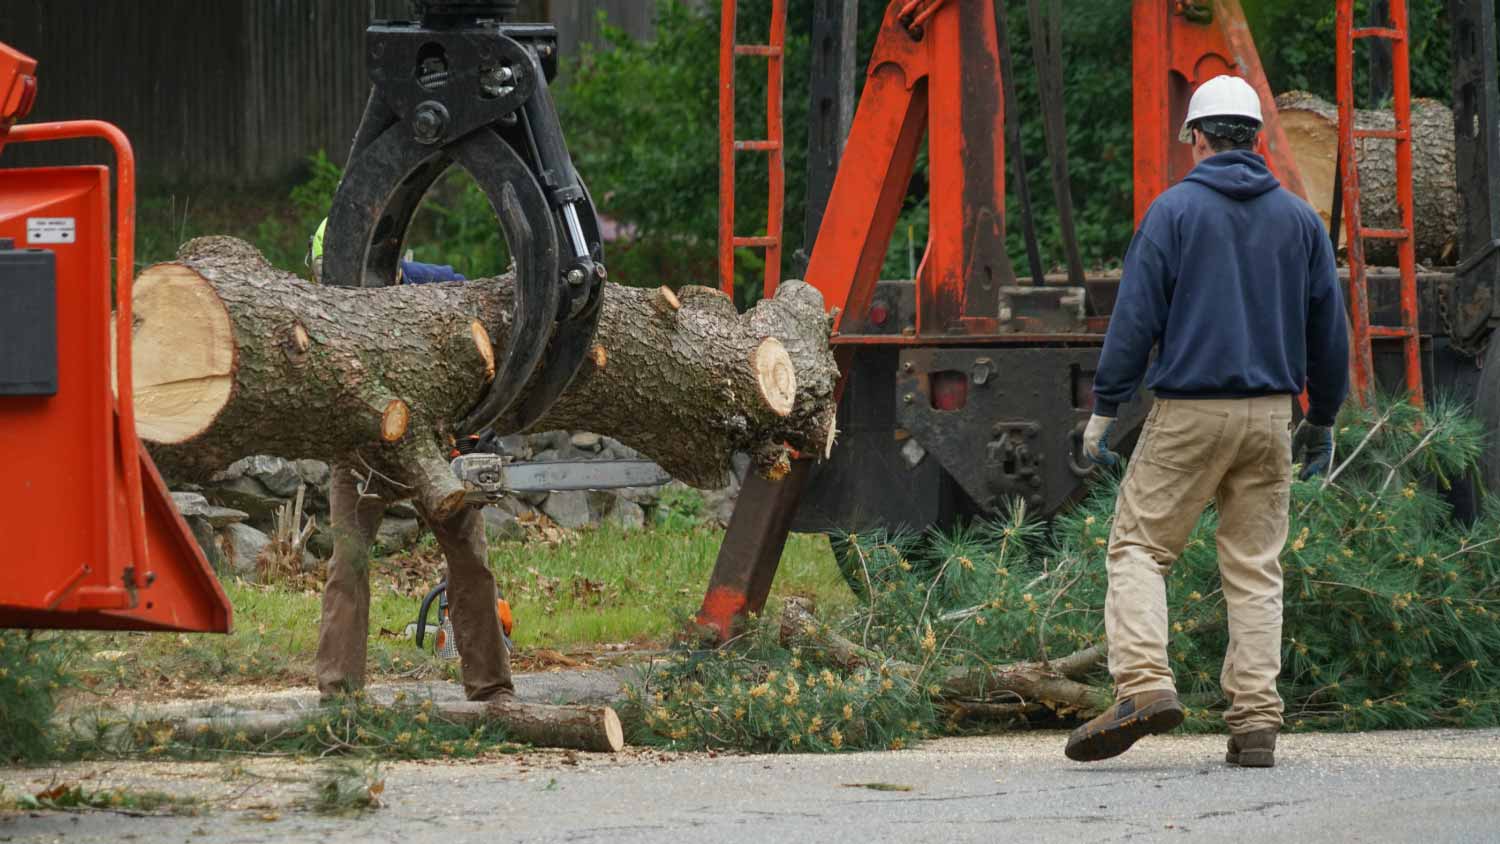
1232, 280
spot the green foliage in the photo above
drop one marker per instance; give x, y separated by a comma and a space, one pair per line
642, 119
31, 676
74, 797
1295, 39
1392, 615
765, 698
680, 508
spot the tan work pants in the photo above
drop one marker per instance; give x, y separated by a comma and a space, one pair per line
342, 636
1238, 453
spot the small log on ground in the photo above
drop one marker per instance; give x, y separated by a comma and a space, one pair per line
592, 728
234, 357
1019, 683
1311, 126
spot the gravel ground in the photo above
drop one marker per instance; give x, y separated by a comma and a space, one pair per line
1432, 786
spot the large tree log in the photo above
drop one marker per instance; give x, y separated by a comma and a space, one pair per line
1311, 126
234, 357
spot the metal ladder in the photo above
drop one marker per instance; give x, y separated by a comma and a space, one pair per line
774, 52
1408, 332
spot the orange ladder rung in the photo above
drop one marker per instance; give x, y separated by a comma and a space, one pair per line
756, 146
1383, 234
767, 50
1387, 134
1385, 32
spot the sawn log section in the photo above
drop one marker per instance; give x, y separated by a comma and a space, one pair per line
235, 357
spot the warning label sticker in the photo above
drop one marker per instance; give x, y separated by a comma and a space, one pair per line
43, 230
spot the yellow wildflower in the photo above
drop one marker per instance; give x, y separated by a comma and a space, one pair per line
1301, 541
848, 711
836, 739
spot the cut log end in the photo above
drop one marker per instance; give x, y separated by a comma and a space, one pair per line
183, 350
600, 356
485, 346
394, 420
776, 376
614, 732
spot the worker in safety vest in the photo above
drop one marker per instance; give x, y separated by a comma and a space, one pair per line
357, 507
1232, 280
409, 272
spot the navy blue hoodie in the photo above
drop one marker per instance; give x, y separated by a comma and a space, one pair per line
1234, 279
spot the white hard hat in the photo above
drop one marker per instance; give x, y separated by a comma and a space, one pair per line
1221, 96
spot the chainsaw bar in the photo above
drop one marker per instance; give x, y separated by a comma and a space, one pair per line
488, 476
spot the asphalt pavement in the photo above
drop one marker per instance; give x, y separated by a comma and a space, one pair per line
1431, 786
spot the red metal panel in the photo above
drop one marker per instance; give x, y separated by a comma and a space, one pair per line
58, 451
878, 159
124, 560
965, 264
1172, 55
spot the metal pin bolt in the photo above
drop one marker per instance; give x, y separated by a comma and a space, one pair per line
429, 123
576, 276
908, 367
909, 398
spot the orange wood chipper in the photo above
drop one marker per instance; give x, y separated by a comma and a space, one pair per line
92, 540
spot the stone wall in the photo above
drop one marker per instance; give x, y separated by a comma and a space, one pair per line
233, 515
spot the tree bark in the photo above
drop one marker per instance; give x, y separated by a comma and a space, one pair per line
234, 357
592, 728
1311, 126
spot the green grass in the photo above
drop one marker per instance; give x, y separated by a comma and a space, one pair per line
593, 588
606, 586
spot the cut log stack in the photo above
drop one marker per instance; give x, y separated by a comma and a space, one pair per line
1311, 126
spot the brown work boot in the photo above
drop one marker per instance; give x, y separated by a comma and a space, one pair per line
1253, 750
1122, 725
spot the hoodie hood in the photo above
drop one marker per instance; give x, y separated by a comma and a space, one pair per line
1238, 174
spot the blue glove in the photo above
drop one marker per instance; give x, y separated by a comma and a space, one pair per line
1312, 446
416, 272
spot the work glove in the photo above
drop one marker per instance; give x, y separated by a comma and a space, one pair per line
1096, 440
416, 272
1312, 446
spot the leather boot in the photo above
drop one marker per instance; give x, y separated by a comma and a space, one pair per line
1256, 749
1122, 725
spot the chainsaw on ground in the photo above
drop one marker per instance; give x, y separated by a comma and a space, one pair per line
489, 477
